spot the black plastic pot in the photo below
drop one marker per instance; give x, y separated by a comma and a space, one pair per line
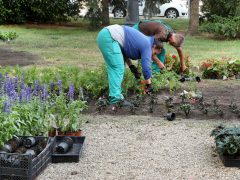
20, 150
29, 142
170, 116
198, 79
230, 161
12, 145
183, 79
65, 145
34, 151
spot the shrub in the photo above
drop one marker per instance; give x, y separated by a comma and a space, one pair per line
216, 69
222, 8
94, 14
221, 27
7, 36
227, 140
50, 11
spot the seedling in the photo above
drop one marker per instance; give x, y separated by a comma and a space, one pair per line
101, 104
169, 103
186, 108
216, 108
152, 102
234, 108
202, 106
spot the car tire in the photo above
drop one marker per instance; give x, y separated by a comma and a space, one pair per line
171, 13
119, 13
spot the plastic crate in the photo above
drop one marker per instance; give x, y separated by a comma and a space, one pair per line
73, 154
24, 167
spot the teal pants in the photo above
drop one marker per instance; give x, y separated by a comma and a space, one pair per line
114, 60
160, 56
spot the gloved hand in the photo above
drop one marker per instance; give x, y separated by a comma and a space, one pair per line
135, 71
149, 89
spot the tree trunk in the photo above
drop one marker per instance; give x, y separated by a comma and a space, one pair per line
132, 12
194, 17
105, 12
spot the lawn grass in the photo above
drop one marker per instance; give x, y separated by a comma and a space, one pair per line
74, 44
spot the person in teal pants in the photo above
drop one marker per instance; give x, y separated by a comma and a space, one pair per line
164, 33
122, 43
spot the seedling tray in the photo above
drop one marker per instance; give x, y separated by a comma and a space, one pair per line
230, 161
15, 166
73, 154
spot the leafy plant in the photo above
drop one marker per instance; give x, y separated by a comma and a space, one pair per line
165, 80
7, 36
185, 106
222, 27
216, 108
95, 81
172, 63
20, 11
216, 69
227, 140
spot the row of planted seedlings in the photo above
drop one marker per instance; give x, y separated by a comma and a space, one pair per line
190, 101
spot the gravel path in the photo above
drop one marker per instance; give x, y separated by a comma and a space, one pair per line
140, 147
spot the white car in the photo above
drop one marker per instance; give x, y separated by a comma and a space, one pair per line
172, 9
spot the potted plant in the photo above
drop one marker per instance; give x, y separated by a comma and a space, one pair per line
228, 145
75, 120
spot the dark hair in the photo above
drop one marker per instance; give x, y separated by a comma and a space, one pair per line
158, 43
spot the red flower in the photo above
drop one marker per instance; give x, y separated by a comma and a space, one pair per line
174, 56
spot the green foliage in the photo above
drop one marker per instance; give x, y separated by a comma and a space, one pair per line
165, 80
20, 11
94, 14
7, 36
172, 63
223, 27
66, 115
130, 84
222, 8
152, 7
227, 140
216, 69
95, 81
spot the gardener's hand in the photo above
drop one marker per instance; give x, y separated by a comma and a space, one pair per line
184, 69
135, 71
149, 89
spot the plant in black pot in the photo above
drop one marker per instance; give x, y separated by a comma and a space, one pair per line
65, 145
228, 144
74, 117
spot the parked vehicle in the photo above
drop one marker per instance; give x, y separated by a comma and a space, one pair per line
118, 8
173, 9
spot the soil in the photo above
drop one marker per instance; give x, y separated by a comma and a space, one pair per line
10, 57
224, 92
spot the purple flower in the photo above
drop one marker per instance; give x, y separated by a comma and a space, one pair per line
52, 86
6, 107
28, 93
60, 86
23, 82
45, 93
71, 92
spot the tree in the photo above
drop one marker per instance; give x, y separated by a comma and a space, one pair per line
150, 9
194, 17
105, 12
